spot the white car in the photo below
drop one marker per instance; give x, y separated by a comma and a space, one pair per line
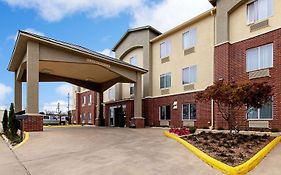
50, 120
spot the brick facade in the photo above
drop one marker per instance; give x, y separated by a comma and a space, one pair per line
85, 109
151, 110
230, 63
33, 124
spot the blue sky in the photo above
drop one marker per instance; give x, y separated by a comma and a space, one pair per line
90, 23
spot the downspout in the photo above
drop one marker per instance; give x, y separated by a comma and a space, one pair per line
212, 114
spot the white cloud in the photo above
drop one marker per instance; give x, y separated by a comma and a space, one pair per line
168, 13
30, 30
53, 106
108, 52
2, 107
4, 92
163, 15
55, 10
64, 89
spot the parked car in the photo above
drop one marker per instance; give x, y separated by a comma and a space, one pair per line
64, 120
50, 120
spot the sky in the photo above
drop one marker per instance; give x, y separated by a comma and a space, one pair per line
94, 24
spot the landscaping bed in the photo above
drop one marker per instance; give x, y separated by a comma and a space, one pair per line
232, 149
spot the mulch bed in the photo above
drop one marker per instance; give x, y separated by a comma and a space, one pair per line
232, 149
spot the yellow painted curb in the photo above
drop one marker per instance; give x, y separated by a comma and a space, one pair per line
226, 169
59, 126
26, 137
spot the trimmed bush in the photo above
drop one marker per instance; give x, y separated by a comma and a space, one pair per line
274, 130
5, 121
192, 129
12, 120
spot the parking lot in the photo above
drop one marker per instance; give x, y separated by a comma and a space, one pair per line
107, 151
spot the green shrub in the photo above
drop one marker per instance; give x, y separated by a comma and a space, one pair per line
5, 121
192, 129
12, 120
274, 130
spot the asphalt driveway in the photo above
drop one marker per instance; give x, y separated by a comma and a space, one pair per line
107, 151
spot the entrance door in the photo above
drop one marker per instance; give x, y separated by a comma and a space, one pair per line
111, 116
119, 117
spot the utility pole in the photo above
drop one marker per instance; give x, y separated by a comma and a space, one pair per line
58, 111
68, 108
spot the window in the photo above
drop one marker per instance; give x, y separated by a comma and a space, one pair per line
259, 10
189, 111
90, 117
165, 49
165, 113
83, 100
132, 89
259, 57
90, 99
165, 80
134, 61
263, 113
189, 75
111, 116
189, 39
83, 118
111, 93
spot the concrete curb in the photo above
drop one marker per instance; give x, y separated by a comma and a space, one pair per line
226, 169
26, 137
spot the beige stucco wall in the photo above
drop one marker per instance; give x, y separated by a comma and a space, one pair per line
240, 30
138, 53
202, 57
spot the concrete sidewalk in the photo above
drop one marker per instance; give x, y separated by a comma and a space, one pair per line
271, 164
9, 164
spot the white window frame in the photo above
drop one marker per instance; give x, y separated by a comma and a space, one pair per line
259, 117
90, 117
259, 58
90, 99
111, 93
134, 61
192, 38
132, 89
166, 75
84, 99
189, 75
189, 116
167, 47
165, 114
257, 8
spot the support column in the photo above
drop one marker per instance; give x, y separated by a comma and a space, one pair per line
138, 119
34, 121
32, 90
99, 110
18, 94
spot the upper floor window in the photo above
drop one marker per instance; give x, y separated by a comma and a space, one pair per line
90, 99
189, 75
165, 80
189, 111
259, 10
263, 113
134, 61
83, 100
259, 57
111, 93
189, 39
165, 49
132, 88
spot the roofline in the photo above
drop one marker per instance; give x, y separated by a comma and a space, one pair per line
68, 47
210, 12
213, 2
134, 30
